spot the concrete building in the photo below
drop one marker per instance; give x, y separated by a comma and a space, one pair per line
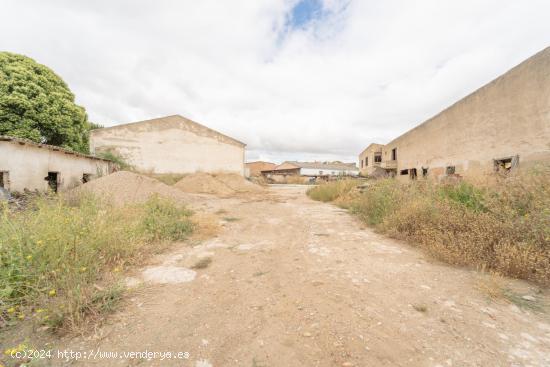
171, 144
312, 170
254, 169
503, 125
28, 165
370, 160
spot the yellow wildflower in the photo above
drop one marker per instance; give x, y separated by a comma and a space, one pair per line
40, 310
21, 316
11, 310
39, 242
52, 292
29, 257
83, 269
116, 269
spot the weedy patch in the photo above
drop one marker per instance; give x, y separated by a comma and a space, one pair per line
496, 288
202, 263
231, 219
420, 308
54, 255
503, 226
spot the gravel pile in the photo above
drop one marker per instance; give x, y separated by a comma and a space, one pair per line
223, 184
238, 183
125, 187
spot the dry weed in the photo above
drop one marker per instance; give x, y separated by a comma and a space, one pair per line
206, 226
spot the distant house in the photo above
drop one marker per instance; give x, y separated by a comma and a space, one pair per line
497, 128
171, 144
254, 169
312, 169
25, 164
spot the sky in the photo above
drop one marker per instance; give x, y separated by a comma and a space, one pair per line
293, 79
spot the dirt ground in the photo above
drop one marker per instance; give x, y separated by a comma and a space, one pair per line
294, 282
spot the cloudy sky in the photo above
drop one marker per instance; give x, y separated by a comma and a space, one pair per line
294, 79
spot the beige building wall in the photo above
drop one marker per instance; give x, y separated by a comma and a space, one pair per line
24, 166
171, 144
508, 117
367, 162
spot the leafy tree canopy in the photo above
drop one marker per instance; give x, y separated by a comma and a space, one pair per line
37, 104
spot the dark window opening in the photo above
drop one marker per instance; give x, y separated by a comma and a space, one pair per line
52, 181
404, 172
361, 163
377, 158
366, 161
3, 180
506, 164
424, 172
86, 177
412, 173
450, 170
394, 154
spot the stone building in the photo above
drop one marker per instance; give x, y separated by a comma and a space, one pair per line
501, 126
171, 144
28, 165
370, 160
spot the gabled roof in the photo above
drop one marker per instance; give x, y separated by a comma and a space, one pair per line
172, 119
21, 141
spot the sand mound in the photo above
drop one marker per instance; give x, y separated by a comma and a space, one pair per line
203, 183
238, 182
222, 184
125, 187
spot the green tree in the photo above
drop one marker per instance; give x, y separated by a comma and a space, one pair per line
36, 104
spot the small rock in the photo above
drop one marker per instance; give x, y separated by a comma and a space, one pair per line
347, 364
529, 298
307, 334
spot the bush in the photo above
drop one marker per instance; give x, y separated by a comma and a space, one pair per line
59, 261
116, 159
331, 191
164, 220
504, 227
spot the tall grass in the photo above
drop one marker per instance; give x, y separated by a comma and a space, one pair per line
59, 260
332, 191
503, 227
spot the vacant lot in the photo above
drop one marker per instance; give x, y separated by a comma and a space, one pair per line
294, 282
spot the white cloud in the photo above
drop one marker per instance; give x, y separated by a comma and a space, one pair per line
366, 72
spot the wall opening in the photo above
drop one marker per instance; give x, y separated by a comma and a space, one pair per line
394, 154
424, 172
366, 161
86, 177
4, 180
450, 170
378, 158
404, 172
504, 165
52, 179
412, 173
361, 163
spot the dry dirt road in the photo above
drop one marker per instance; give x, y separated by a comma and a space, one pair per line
295, 282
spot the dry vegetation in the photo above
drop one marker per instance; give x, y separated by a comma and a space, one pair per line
504, 227
59, 259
